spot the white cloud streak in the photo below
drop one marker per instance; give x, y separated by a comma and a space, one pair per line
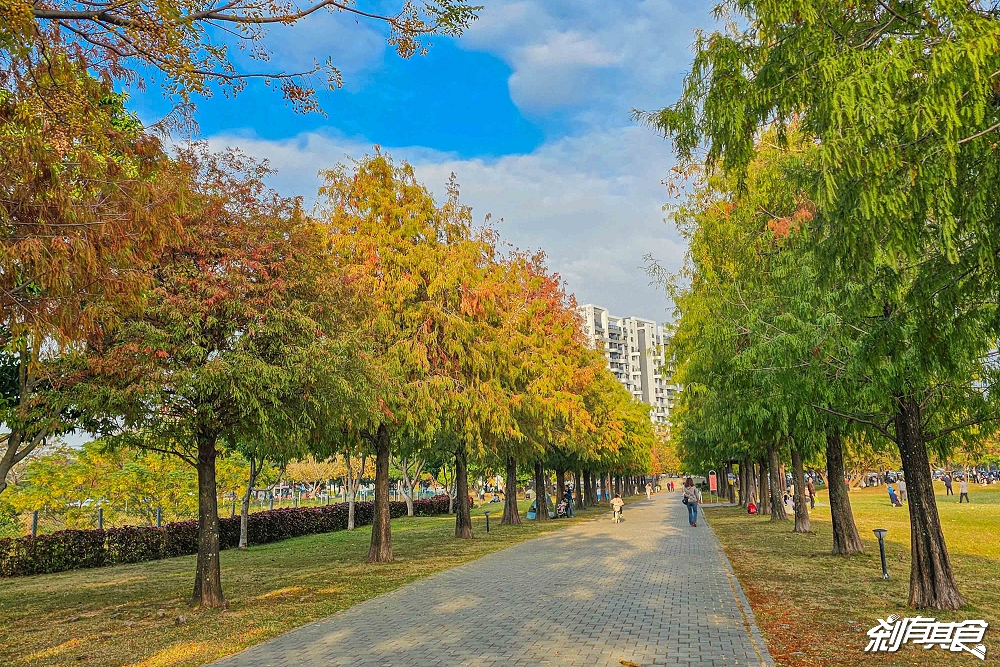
592, 202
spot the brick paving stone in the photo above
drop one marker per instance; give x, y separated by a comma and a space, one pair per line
650, 591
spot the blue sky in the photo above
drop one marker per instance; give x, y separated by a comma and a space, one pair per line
530, 109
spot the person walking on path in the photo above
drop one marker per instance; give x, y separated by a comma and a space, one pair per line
811, 490
692, 498
649, 490
963, 490
947, 485
616, 506
902, 489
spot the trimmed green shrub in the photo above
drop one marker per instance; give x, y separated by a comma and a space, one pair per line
77, 549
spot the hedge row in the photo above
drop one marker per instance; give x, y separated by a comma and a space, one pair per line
76, 549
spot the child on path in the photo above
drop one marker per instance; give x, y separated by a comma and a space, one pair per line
649, 490
692, 498
616, 506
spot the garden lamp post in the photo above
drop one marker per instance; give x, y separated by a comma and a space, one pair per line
487, 521
880, 534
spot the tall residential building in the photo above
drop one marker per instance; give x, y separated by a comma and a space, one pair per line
633, 347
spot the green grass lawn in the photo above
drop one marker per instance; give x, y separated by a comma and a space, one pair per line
814, 608
138, 614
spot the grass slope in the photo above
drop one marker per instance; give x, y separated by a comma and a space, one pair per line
138, 614
814, 608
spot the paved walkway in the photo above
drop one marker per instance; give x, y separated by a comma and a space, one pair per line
649, 591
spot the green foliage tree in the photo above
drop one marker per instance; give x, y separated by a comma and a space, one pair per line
67, 486
892, 96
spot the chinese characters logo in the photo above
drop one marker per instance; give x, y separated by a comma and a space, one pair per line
890, 634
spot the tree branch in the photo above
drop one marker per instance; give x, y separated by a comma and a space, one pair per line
958, 427
860, 420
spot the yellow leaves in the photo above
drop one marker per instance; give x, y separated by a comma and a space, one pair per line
482, 344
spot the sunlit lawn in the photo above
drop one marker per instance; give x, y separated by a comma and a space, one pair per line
814, 608
138, 614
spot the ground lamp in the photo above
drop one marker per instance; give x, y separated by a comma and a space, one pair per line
880, 534
487, 521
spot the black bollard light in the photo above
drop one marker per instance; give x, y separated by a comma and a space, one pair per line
34, 523
100, 518
880, 534
159, 517
487, 521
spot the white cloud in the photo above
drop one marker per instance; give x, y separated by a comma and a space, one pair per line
591, 199
568, 49
608, 57
592, 202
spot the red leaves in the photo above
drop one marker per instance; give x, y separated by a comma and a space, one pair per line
385, 410
783, 226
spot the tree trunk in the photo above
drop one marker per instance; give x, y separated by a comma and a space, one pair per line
463, 516
802, 524
560, 487
763, 488
578, 489
380, 550
409, 482
245, 507
511, 515
352, 487
208, 579
744, 484
776, 485
846, 540
408, 497
931, 582
541, 495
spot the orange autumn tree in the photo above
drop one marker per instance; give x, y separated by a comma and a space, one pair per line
224, 350
409, 261
87, 196
545, 339
480, 407
183, 43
